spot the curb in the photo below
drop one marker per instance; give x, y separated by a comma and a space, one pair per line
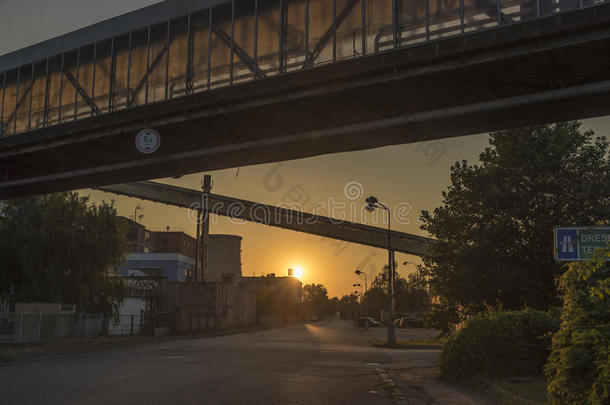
398, 397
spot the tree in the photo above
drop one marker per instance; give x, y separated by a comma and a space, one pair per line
272, 301
62, 248
315, 299
443, 316
578, 368
496, 221
410, 295
349, 306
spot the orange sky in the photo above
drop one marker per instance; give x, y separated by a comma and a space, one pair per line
397, 174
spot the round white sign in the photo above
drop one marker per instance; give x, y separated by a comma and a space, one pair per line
148, 141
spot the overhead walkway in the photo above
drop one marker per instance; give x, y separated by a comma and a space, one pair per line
280, 217
229, 83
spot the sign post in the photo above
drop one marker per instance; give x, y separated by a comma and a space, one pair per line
579, 243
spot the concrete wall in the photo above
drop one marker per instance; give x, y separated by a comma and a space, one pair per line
288, 288
33, 327
200, 307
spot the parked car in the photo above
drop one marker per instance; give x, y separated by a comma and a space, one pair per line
372, 323
413, 322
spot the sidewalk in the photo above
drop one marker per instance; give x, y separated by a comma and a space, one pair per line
420, 386
411, 375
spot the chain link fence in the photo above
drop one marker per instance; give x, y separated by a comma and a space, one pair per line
18, 327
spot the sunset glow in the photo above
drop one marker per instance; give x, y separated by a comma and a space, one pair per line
298, 272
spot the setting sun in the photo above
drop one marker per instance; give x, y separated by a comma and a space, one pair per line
298, 272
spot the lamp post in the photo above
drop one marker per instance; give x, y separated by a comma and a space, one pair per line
361, 273
373, 203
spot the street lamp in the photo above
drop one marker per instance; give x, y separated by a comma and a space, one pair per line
372, 203
361, 273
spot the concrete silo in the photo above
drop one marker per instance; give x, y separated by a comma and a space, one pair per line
224, 258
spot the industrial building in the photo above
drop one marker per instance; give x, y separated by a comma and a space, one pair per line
138, 237
278, 299
220, 298
171, 266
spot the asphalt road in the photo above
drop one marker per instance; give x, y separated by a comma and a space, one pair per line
328, 362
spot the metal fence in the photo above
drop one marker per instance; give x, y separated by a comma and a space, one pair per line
234, 42
36, 327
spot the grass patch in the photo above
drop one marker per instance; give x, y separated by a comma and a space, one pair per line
530, 390
432, 343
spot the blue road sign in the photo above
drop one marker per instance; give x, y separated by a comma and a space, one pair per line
573, 244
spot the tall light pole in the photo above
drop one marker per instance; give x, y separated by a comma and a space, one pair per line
373, 203
361, 273
135, 213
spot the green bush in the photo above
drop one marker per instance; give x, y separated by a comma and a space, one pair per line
578, 369
442, 316
499, 344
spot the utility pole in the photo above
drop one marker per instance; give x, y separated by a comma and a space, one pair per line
374, 203
135, 213
205, 229
197, 250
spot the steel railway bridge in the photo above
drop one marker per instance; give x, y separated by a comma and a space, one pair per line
236, 82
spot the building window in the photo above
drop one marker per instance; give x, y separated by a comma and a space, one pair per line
150, 271
188, 275
146, 236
